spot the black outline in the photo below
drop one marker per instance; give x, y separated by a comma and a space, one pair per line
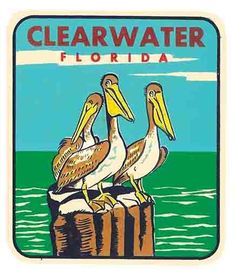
218, 123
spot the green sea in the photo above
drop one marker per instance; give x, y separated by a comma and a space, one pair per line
184, 190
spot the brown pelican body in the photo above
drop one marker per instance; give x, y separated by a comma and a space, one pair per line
146, 155
82, 138
96, 163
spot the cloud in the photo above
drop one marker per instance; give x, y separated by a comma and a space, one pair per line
53, 57
190, 76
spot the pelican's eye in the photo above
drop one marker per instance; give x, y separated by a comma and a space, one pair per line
91, 102
152, 93
108, 83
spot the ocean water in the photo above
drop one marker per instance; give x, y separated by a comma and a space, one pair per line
184, 190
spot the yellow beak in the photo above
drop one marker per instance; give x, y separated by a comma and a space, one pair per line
161, 116
88, 111
116, 103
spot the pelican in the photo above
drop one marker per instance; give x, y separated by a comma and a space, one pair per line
83, 136
97, 163
146, 155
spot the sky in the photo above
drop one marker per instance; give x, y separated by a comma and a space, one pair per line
50, 96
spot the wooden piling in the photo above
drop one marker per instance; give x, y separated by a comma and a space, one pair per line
126, 230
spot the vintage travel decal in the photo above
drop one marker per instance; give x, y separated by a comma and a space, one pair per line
116, 137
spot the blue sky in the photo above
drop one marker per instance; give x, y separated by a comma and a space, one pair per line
49, 97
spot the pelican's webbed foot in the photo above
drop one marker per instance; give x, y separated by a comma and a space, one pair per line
96, 205
143, 197
139, 193
100, 202
104, 198
107, 199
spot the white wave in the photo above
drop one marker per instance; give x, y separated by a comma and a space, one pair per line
37, 215
183, 249
31, 196
180, 243
171, 229
34, 246
199, 191
32, 232
39, 251
30, 188
37, 246
200, 225
180, 202
195, 216
206, 195
32, 222
185, 237
36, 240
169, 187
23, 211
166, 215
179, 215
170, 196
22, 204
31, 226
25, 236
42, 204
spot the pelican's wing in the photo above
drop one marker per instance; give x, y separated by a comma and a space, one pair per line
82, 163
65, 150
134, 152
162, 157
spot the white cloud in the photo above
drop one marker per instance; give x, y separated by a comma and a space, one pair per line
190, 76
53, 57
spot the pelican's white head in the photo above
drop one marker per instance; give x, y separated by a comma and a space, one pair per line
115, 102
161, 118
